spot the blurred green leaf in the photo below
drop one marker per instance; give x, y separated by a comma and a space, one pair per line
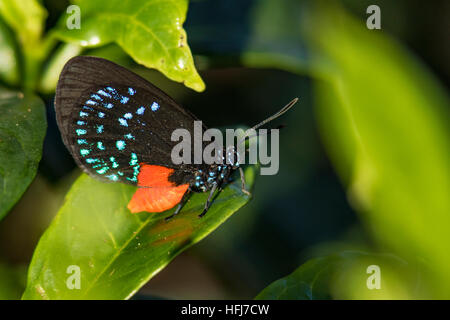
150, 32
118, 252
345, 275
384, 120
12, 281
308, 282
22, 131
53, 69
26, 17
278, 43
9, 68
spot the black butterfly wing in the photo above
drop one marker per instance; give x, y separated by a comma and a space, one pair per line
112, 121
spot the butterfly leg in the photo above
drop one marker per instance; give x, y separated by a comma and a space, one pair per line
180, 205
244, 189
208, 202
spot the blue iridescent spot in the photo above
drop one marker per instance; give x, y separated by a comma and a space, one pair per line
114, 163
123, 122
134, 159
101, 115
128, 115
120, 173
80, 132
114, 93
81, 123
120, 144
135, 173
129, 136
88, 108
212, 174
96, 96
82, 141
124, 99
198, 178
112, 177
103, 93
140, 111
131, 91
91, 160
100, 128
83, 114
155, 106
91, 102
100, 145
108, 105
84, 152
102, 170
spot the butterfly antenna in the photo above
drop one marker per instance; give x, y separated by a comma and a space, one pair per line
276, 115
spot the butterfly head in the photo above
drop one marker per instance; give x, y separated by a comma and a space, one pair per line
216, 174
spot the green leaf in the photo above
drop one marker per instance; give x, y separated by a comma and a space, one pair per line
150, 32
118, 252
384, 120
26, 17
277, 43
53, 69
22, 131
12, 281
303, 284
345, 275
9, 68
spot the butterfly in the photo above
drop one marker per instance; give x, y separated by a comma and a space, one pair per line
118, 127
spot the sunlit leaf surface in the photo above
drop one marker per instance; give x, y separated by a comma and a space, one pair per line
26, 17
149, 31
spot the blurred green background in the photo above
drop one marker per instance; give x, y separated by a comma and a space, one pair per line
364, 156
